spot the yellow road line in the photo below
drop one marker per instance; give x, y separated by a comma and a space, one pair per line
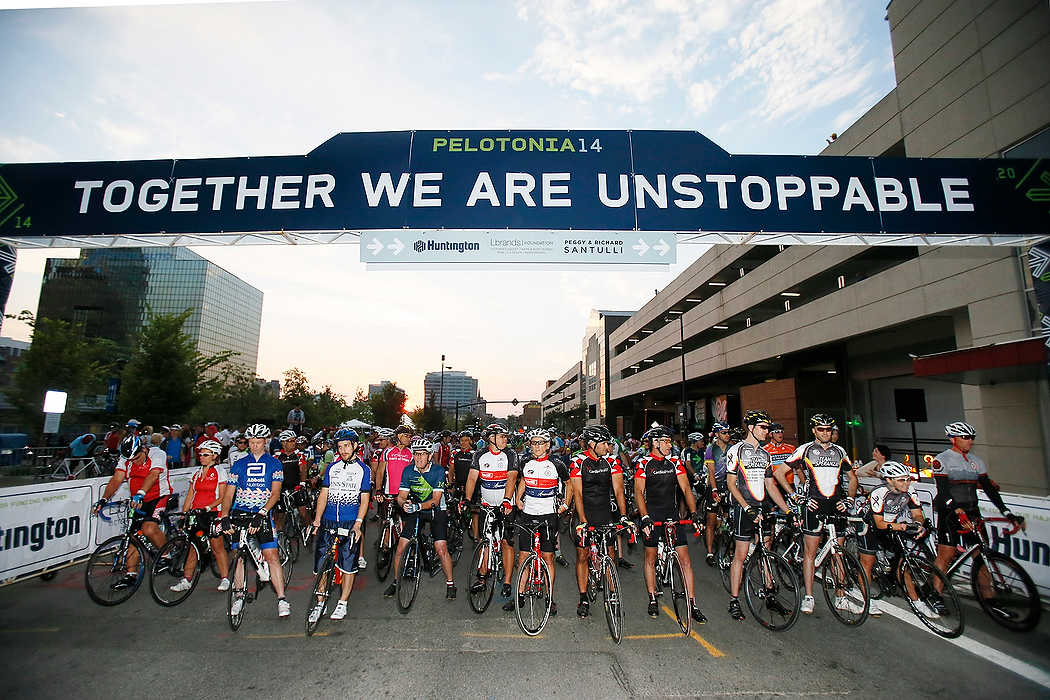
711, 648
283, 636
497, 635
672, 635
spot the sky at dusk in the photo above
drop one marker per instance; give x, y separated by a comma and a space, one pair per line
274, 78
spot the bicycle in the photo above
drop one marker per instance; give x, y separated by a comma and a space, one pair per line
248, 554
602, 576
456, 530
100, 464
533, 590
389, 532
188, 537
1014, 601
669, 572
418, 555
771, 586
915, 578
841, 576
486, 564
107, 566
328, 575
296, 535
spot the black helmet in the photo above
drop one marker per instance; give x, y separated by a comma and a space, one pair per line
822, 420
656, 432
776, 427
595, 433
756, 416
130, 446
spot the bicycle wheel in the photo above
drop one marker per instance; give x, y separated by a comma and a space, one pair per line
1014, 602
845, 588
384, 552
772, 591
480, 598
321, 591
292, 536
725, 550
612, 599
928, 580
285, 556
237, 596
532, 604
103, 577
679, 595
784, 544
163, 580
408, 577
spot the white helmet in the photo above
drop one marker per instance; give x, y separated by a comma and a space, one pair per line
287, 435
894, 470
959, 429
385, 433
538, 433
257, 431
421, 444
211, 446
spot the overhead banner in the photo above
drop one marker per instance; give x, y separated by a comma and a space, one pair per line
476, 181
510, 246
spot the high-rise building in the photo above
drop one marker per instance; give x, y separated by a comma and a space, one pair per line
457, 386
112, 291
376, 389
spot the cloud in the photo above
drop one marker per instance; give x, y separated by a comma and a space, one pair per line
701, 95
16, 149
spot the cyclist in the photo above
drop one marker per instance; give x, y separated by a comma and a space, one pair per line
658, 480
621, 464
145, 468
342, 503
779, 451
693, 460
421, 497
495, 472
293, 462
957, 473
462, 459
822, 463
392, 463
238, 450
541, 477
715, 466
749, 475
205, 493
894, 507
594, 479
256, 488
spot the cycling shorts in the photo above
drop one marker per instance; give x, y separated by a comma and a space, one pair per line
742, 525
438, 520
948, 528
264, 536
346, 555
548, 529
875, 539
153, 510
656, 534
811, 524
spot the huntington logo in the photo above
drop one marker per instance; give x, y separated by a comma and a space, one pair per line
418, 246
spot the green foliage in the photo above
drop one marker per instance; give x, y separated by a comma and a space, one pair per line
388, 405
567, 421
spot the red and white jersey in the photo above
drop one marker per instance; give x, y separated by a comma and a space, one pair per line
207, 485
136, 474
543, 478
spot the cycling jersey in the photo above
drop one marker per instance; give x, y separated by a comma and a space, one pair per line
294, 464
345, 483
235, 455
893, 506
253, 478
753, 464
493, 469
396, 458
596, 485
543, 477
715, 460
824, 467
461, 461
962, 471
693, 459
660, 489
207, 486
779, 454
422, 485
136, 474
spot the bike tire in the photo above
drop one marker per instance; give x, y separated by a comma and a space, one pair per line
725, 551
106, 566
177, 550
532, 598
285, 557
293, 540
409, 574
384, 561
479, 601
853, 583
926, 578
679, 594
775, 604
1014, 591
613, 599
241, 559
323, 582
782, 545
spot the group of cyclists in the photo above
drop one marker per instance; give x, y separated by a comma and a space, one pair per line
744, 479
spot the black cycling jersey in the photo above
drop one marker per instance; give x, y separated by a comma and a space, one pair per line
461, 461
595, 474
660, 489
293, 463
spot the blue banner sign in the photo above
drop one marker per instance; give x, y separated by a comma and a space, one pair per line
477, 181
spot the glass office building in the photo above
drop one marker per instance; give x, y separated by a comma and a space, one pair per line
113, 290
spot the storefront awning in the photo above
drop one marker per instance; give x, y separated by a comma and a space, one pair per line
1014, 361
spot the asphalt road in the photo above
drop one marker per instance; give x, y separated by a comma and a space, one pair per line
55, 642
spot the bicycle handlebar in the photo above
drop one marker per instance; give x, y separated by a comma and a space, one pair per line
969, 525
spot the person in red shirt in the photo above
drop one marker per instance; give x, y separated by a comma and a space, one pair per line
779, 451
205, 493
210, 431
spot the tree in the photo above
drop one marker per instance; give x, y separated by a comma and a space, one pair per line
361, 409
239, 401
60, 358
388, 405
166, 376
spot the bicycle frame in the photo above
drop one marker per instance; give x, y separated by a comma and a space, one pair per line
975, 528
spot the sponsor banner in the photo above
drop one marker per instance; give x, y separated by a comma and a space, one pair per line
480, 181
46, 525
508, 246
1039, 263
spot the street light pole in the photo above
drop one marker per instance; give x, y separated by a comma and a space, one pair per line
681, 331
441, 401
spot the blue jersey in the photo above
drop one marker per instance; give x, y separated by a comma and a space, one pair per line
421, 487
345, 483
253, 479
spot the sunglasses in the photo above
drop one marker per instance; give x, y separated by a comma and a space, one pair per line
965, 437
824, 430
764, 427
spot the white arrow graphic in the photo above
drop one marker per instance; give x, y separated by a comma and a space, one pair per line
642, 247
397, 246
662, 247
375, 246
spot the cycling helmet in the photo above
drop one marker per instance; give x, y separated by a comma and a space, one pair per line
257, 431
595, 433
402, 429
344, 434
132, 423
776, 428
822, 420
445, 433
693, 437
737, 433
959, 429
756, 416
385, 433
421, 444
719, 426
301, 441
211, 446
495, 429
287, 435
656, 432
538, 433
894, 470
130, 446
